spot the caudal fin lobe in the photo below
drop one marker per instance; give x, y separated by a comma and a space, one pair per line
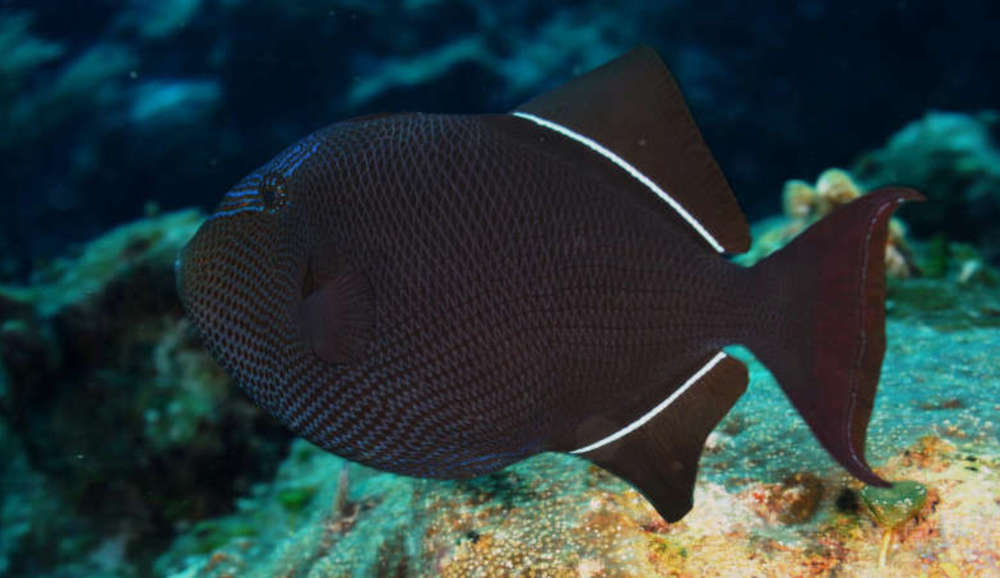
823, 334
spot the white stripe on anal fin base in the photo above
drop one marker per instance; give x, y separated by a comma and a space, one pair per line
656, 410
627, 167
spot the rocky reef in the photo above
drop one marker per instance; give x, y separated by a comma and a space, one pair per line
557, 516
769, 501
955, 158
118, 428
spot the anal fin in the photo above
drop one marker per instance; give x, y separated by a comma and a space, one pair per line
660, 456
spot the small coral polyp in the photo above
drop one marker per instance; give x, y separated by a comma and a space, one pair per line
833, 188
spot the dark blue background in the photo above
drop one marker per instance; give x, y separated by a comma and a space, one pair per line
781, 90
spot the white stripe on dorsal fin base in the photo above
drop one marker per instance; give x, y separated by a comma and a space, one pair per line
627, 167
656, 410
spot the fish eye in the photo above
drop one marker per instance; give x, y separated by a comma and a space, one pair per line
272, 191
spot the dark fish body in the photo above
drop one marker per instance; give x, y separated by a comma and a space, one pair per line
442, 296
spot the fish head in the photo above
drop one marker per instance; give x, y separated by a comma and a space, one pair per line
235, 277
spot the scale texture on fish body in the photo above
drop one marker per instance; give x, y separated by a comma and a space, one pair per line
443, 295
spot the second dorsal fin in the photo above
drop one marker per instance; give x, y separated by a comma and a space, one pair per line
632, 108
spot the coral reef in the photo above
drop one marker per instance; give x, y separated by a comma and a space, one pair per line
99, 339
158, 20
769, 502
558, 516
569, 40
803, 204
955, 159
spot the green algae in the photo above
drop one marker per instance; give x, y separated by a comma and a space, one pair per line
295, 499
893, 506
933, 262
213, 534
141, 245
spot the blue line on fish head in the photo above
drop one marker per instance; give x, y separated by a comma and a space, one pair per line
268, 189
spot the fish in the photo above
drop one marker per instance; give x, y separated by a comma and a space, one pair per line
441, 296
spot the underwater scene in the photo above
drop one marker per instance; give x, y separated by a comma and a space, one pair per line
348, 288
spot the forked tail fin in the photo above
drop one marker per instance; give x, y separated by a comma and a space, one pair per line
823, 335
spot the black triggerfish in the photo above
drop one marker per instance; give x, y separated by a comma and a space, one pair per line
444, 295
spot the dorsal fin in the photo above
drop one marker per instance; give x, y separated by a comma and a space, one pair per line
633, 108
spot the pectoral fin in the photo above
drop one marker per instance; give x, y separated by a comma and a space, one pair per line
336, 318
